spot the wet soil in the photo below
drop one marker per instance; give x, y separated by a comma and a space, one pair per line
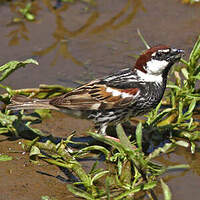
76, 43
23, 180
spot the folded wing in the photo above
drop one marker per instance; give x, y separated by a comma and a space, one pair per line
96, 95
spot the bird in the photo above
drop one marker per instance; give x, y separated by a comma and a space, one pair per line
115, 98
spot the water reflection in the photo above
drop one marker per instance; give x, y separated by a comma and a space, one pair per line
192, 160
21, 32
63, 33
113, 23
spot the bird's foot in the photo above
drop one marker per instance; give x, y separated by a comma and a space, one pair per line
112, 138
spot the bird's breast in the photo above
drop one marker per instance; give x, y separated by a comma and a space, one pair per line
150, 96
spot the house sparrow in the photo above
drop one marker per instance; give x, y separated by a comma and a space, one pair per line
114, 98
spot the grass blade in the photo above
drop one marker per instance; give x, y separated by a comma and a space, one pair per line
166, 190
80, 193
139, 136
143, 40
98, 175
122, 136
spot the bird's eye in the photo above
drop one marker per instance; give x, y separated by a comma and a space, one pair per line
159, 54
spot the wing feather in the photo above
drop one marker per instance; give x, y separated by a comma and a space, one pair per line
96, 95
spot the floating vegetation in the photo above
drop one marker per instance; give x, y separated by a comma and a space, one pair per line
26, 12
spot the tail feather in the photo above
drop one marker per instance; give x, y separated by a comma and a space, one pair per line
20, 102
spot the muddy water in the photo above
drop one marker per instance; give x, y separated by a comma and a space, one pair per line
76, 43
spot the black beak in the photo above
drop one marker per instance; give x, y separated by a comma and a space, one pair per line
176, 54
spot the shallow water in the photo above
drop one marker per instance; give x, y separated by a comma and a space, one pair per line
76, 43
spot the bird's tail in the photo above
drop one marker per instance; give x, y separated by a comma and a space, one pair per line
20, 102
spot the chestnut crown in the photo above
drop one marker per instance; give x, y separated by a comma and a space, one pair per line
157, 59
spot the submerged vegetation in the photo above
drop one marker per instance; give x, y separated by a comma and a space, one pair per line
130, 170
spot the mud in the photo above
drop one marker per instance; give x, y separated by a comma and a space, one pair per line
74, 44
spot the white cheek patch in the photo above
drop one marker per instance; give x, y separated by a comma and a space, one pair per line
156, 66
149, 77
118, 93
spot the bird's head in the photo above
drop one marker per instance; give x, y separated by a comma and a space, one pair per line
158, 60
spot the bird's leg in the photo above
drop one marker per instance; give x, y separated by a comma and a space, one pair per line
112, 138
102, 130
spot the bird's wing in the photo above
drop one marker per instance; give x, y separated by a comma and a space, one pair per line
98, 94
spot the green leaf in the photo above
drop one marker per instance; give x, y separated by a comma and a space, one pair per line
151, 117
107, 140
108, 187
190, 123
196, 77
3, 130
194, 55
138, 188
180, 111
5, 158
174, 87
93, 169
99, 175
196, 96
162, 114
25, 10
139, 136
30, 17
122, 136
34, 151
177, 167
35, 130
11, 66
191, 107
119, 166
80, 193
173, 98
193, 147
95, 148
167, 147
185, 72
166, 190
182, 143
184, 62
44, 113
7, 122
